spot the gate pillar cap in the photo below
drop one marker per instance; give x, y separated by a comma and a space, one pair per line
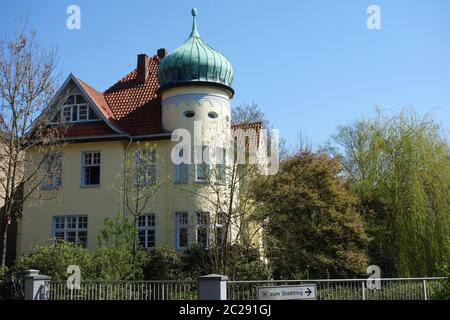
214, 277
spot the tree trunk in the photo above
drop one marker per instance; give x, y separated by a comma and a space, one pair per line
4, 241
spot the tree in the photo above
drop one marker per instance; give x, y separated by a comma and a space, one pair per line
235, 161
401, 172
311, 225
26, 88
248, 113
231, 203
139, 185
116, 257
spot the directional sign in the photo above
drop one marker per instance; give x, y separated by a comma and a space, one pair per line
296, 292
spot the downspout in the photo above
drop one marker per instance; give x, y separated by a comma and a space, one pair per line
124, 175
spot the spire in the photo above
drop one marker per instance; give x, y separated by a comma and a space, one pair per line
194, 32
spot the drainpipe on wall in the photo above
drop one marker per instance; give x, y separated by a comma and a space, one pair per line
124, 175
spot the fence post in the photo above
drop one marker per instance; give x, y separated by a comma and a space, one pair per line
212, 287
36, 285
363, 285
425, 289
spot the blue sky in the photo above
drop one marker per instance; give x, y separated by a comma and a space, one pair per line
311, 65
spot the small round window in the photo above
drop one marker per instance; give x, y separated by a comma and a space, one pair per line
213, 115
189, 114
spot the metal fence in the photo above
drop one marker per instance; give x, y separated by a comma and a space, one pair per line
11, 290
124, 290
346, 289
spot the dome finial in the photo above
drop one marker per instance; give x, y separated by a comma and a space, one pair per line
194, 32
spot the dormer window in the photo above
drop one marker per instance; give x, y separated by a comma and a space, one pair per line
76, 109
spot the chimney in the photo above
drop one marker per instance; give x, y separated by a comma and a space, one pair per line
142, 68
161, 53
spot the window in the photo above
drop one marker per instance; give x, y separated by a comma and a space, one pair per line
145, 167
202, 169
91, 168
202, 229
220, 234
189, 114
213, 115
221, 170
67, 114
75, 109
146, 228
52, 170
83, 113
71, 229
181, 171
181, 230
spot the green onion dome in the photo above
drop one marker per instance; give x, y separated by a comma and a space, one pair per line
195, 62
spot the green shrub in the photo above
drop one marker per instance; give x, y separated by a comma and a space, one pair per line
54, 259
164, 263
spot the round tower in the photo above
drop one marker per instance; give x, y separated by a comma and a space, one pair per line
195, 86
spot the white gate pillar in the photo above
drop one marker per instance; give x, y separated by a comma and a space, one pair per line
36, 285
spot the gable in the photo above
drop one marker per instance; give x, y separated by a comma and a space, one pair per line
80, 108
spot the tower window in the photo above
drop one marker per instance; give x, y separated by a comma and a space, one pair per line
213, 115
189, 114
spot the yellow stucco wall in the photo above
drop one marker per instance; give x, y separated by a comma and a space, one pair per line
73, 199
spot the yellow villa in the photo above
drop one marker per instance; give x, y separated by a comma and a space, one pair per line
165, 93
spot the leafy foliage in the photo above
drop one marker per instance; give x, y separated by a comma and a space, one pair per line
244, 262
311, 225
112, 260
114, 257
54, 259
401, 172
164, 263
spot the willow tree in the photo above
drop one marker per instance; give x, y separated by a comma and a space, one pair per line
401, 169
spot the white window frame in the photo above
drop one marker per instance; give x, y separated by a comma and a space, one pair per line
65, 108
181, 225
86, 110
221, 154
84, 165
206, 226
177, 177
220, 225
198, 165
56, 176
67, 228
148, 227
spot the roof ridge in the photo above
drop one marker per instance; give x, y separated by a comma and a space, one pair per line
130, 75
103, 105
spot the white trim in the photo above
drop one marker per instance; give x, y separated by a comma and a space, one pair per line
65, 230
207, 226
146, 229
83, 184
177, 229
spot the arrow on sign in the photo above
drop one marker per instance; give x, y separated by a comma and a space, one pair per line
308, 291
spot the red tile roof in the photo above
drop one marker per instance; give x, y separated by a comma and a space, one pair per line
136, 106
89, 129
130, 107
